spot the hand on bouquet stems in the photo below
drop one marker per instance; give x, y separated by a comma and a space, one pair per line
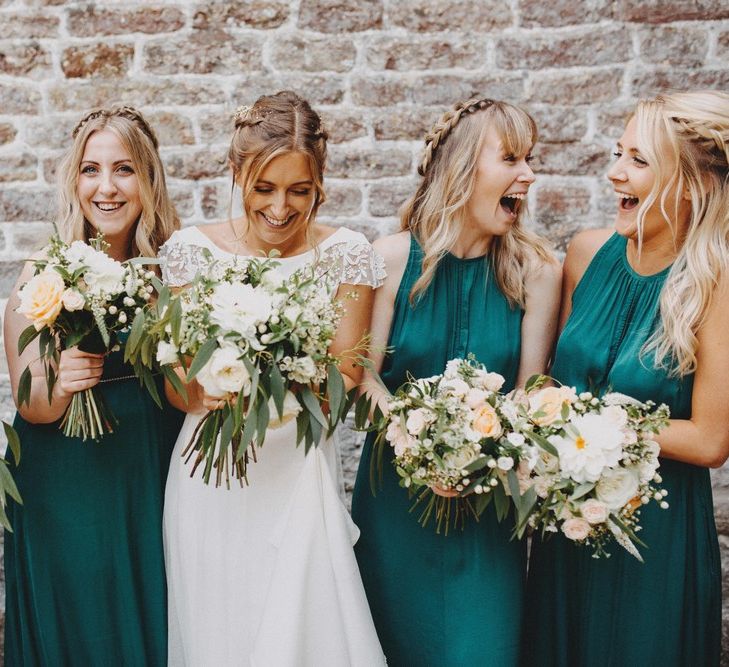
77, 371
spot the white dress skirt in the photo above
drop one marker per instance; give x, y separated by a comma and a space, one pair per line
265, 574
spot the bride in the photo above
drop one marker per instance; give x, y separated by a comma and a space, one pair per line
265, 574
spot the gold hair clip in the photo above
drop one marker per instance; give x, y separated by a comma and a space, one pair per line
241, 112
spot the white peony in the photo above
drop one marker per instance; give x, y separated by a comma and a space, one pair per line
475, 398
240, 307
291, 410
166, 353
490, 381
594, 512
399, 439
617, 487
103, 274
417, 420
76, 255
592, 444
225, 373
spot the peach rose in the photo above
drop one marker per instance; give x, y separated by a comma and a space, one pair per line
41, 299
576, 529
486, 422
548, 403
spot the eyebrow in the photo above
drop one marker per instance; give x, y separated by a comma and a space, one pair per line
115, 163
261, 181
631, 150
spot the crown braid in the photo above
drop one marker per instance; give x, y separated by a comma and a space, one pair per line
712, 138
130, 113
440, 131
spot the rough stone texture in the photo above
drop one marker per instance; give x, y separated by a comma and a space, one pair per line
380, 71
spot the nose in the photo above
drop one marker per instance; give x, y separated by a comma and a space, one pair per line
278, 204
107, 186
616, 172
527, 174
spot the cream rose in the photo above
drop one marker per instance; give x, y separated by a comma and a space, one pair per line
486, 422
576, 529
73, 300
617, 487
225, 374
41, 299
291, 410
546, 405
416, 421
594, 512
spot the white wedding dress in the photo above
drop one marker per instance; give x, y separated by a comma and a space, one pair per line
265, 574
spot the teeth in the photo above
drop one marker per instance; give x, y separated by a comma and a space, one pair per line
275, 221
515, 195
623, 195
108, 207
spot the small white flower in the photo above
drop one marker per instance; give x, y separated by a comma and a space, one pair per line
505, 463
166, 353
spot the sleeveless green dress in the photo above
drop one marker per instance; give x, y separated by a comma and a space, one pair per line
667, 611
439, 599
85, 579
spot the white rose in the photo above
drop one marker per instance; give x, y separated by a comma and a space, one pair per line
291, 410
576, 529
617, 487
76, 255
475, 398
416, 421
400, 441
616, 414
103, 274
505, 463
166, 353
461, 457
491, 381
594, 512
73, 300
457, 386
240, 307
225, 373
542, 486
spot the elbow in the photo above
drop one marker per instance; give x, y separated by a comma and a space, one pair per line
716, 453
717, 459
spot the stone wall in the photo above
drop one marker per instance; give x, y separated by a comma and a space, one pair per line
380, 71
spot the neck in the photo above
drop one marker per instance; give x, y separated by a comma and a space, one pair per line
655, 253
470, 244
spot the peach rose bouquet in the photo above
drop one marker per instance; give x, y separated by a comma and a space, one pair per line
598, 465
456, 446
79, 296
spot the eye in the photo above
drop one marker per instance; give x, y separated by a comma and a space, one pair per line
262, 190
126, 169
617, 154
302, 193
509, 158
639, 161
529, 158
88, 169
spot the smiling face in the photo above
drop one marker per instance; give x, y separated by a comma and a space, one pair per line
501, 185
280, 203
633, 178
108, 188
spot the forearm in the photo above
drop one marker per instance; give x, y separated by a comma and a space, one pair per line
194, 403
687, 442
38, 410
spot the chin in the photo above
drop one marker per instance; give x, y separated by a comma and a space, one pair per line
626, 228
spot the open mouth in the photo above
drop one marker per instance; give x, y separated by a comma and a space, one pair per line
512, 202
627, 202
277, 222
108, 207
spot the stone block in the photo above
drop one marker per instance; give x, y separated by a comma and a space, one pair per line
18, 167
7, 133
215, 200
468, 16
650, 82
405, 123
405, 54
612, 119
366, 162
27, 59
9, 273
559, 13
28, 238
317, 89
340, 16
667, 11
671, 45
34, 26
578, 158
51, 131
92, 20
384, 199
575, 87
559, 124
216, 125
27, 204
183, 199
313, 54
205, 52
194, 164
343, 124
379, 91
261, 14
342, 199
583, 47
722, 46
97, 60
172, 129
447, 89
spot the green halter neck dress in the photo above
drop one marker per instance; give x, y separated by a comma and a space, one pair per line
456, 599
617, 611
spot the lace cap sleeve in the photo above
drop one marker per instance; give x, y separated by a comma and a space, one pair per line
181, 260
354, 262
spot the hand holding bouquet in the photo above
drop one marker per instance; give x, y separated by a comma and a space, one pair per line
453, 433
258, 342
597, 467
79, 297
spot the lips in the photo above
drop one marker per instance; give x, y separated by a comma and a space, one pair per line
626, 201
511, 202
277, 222
108, 207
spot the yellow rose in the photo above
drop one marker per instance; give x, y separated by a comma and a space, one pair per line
486, 422
548, 403
41, 299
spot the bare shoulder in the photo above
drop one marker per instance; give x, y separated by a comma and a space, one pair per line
215, 231
581, 249
393, 248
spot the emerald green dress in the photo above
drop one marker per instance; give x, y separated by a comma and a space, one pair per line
667, 611
84, 569
440, 599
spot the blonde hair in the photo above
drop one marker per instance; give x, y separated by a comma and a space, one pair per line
276, 125
685, 138
158, 218
435, 213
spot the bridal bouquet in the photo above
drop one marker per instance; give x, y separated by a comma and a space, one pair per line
259, 342
79, 296
454, 433
598, 465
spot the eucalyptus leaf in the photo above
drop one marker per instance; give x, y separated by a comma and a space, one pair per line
24, 387
202, 357
312, 405
7, 484
27, 336
13, 441
335, 392
278, 391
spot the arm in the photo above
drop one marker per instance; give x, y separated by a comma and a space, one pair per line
703, 440
394, 249
77, 370
539, 325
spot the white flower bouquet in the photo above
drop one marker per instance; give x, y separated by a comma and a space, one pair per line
79, 296
259, 342
598, 465
454, 433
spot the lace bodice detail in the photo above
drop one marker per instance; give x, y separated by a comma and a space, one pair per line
345, 257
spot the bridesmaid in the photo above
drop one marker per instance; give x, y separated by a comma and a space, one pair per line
462, 277
654, 297
85, 581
